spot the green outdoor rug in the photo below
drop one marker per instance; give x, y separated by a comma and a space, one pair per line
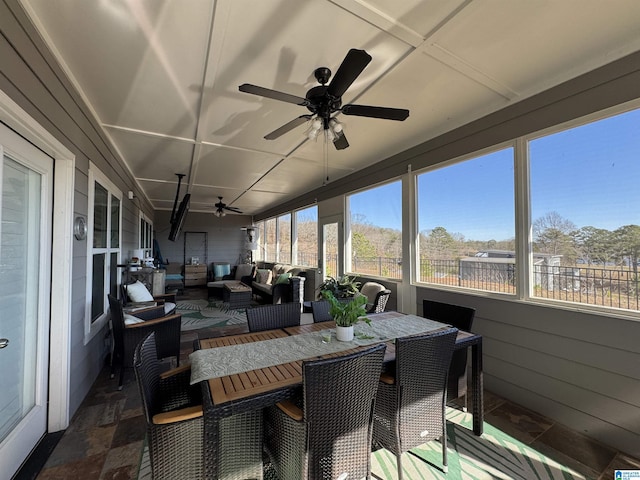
202, 313
494, 455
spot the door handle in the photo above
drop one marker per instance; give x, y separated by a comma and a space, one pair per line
4, 342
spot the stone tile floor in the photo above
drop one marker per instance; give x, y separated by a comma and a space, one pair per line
105, 438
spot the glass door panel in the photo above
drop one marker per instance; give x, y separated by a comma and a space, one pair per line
24, 297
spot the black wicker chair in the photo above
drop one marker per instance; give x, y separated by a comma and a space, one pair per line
168, 300
380, 296
268, 317
380, 302
331, 434
173, 414
410, 405
461, 318
320, 311
127, 337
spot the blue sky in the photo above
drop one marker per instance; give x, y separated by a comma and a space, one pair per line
588, 174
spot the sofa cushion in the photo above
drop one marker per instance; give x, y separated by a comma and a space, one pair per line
243, 270
137, 292
283, 278
264, 275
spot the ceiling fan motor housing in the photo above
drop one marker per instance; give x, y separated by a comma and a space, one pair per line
322, 103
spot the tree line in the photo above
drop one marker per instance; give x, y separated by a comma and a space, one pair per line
553, 235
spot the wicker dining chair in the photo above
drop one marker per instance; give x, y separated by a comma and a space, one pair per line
462, 318
326, 434
410, 405
320, 311
268, 317
126, 337
173, 414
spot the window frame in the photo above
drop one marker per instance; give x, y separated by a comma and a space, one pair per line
416, 240
523, 221
145, 235
92, 327
347, 257
294, 236
528, 282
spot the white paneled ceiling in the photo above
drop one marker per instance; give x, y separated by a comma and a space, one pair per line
162, 78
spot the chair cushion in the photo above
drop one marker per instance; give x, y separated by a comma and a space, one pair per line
130, 319
137, 292
371, 289
264, 275
243, 270
169, 307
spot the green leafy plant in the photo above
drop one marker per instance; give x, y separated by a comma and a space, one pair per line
341, 287
346, 314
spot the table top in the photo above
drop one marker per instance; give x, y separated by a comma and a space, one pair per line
251, 383
237, 287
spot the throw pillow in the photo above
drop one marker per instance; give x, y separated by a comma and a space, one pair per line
283, 278
263, 276
137, 292
130, 319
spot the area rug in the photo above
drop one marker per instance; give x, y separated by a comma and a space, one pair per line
494, 455
201, 313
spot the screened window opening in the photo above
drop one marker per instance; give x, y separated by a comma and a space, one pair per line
466, 224
375, 223
586, 224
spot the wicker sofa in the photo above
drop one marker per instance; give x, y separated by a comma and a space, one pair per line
278, 283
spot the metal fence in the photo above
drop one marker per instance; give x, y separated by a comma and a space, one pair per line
378, 266
609, 287
619, 288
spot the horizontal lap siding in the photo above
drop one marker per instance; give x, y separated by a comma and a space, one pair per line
580, 369
31, 77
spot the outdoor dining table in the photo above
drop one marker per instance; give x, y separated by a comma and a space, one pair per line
247, 389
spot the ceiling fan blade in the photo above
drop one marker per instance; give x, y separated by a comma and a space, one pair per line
232, 209
341, 142
350, 68
287, 126
386, 113
275, 94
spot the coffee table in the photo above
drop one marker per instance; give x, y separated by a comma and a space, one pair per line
238, 295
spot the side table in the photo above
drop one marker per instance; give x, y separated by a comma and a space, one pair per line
238, 295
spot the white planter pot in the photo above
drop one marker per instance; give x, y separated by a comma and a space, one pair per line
344, 334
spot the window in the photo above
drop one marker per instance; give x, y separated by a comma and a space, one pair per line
270, 241
146, 236
260, 245
586, 224
376, 231
466, 223
306, 236
103, 241
284, 238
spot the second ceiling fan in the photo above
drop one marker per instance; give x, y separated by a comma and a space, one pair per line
222, 208
323, 101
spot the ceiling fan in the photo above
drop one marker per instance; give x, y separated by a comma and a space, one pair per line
324, 100
221, 207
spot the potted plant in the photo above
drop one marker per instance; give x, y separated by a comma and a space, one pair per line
346, 314
341, 287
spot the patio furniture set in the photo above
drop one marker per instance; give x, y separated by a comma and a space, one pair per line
307, 402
